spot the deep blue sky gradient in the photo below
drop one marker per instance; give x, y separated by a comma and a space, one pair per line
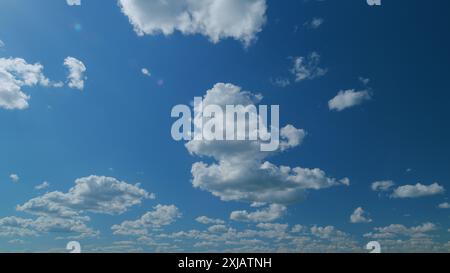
119, 125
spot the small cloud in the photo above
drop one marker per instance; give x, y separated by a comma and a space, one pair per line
359, 216
307, 68
382, 185
208, 221
257, 204
444, 205
42, 186
2, 44
298, 228
348, 98
73, 2
269, 214
160, 216
398, 230
418, 190
315, 23
77, 70
218, 229
14, 178
146, 72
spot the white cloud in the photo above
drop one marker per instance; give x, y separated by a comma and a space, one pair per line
14, 75
64, 225
16, 227
307, 68
2, 44
241, 172
348, 98
14, 178
208, 221
385, 185
42, 186
444, 205
418, 190
297, 228
269, 214
315, 23
77, 70
417, 244
273, 226
359, 216
257, 204
218, 229
268, 237
159, 217
21, 227
326, 232
63, 213
96, 194
216, 19
74, 2
396, 230
146, 72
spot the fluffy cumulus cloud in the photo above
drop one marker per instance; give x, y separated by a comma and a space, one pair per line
384, 185
398, 230
96, 194
215, 19
347, 99
22, 227
209, 221
359, 216
444, 205
418, 190
16, 227
327, 232
241, 171
259, 237
307, 68
218, 229
63, 213
73, 2
160, 216
271, 237
16, 73
76, 75
269, 214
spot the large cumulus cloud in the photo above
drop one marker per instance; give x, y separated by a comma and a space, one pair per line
216, 19
241, 172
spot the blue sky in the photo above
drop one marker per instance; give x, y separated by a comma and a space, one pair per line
114, 130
